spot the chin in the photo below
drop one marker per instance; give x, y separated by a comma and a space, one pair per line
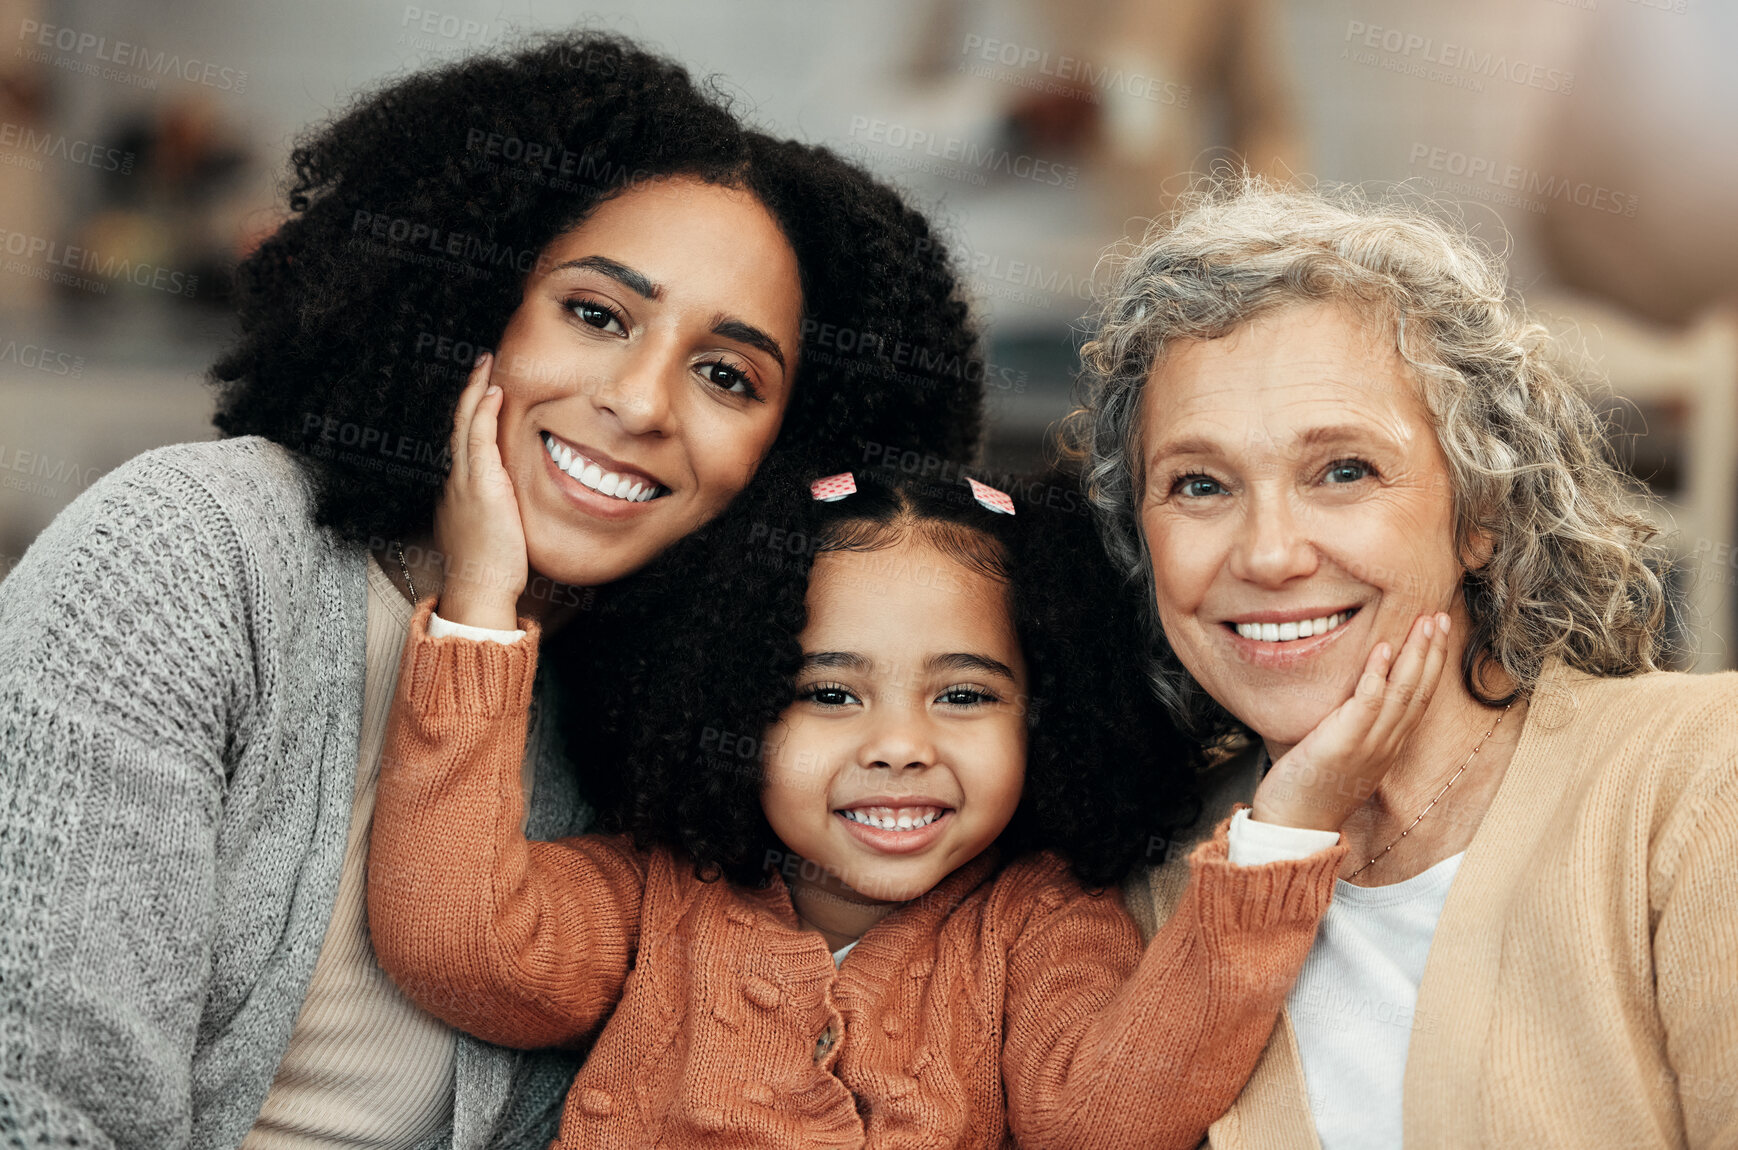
588, 561
1285, 721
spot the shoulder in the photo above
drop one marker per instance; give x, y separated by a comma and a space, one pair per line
1045, 920
171, 569
1035, 888
245, 476
1657, 717
169, 503
1663, 745
1670, 694
172, 525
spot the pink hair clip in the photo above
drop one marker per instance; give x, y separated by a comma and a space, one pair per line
991, 498
834, 487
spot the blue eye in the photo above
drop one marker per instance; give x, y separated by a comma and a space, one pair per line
1197, 486
598, 316
1347, 471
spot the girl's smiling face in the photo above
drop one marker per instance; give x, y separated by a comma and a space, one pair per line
903, 755
645, 374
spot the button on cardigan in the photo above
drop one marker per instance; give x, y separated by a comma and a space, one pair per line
1007, 1004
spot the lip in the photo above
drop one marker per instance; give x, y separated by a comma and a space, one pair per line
895, 842
1285, 656
596, 503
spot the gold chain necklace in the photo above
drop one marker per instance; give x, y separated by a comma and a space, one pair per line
405, 567
1438, 798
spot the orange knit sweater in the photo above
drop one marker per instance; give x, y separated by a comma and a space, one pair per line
1006, 1005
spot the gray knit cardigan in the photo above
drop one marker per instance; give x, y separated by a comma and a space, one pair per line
181, 669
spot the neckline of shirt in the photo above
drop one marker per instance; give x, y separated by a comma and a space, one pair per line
1423, 883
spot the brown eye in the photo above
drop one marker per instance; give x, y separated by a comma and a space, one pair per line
598, 316
722, 375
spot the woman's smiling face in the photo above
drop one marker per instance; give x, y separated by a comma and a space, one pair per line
1297, 510
645, 374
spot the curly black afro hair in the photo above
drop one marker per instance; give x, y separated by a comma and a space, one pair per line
417, 215
708, 652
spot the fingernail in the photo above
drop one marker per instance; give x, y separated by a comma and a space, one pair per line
1445, 623
492, 389
1429, 626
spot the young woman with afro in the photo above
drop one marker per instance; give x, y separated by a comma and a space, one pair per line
883, 762
197, 656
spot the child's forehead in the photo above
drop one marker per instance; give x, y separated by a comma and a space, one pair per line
909, 594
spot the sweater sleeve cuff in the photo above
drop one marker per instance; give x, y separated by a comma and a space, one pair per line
456, 675
1253, 843
1264, 895
439, 628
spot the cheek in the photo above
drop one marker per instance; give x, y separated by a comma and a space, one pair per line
727, 451
793, 782
1004, 779
1183, 564
1406, 553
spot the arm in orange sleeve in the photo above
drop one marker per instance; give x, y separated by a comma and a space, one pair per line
522, 944
1095, 1057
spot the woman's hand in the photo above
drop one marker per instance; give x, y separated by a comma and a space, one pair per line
1321, 781
477, 525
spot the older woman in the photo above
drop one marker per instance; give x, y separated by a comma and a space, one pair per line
1307, 420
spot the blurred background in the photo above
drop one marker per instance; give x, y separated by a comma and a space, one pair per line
143, 143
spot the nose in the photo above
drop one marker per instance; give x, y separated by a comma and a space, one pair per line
638, 389
897, 738
1273, 547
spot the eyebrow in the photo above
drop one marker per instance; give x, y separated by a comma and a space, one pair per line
1313, 437
953, 661
849, 660
969, 661
747, 333
635, 281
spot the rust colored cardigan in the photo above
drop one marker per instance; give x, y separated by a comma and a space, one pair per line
1007, 1005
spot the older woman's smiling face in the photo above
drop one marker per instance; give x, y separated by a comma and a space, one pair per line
1297, 510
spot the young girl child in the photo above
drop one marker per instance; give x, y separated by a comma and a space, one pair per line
841, 926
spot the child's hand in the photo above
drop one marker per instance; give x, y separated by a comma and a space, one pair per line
477, 525
1321, 781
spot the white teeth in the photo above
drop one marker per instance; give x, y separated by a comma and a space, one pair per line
591, 475
1286, 632
890, 821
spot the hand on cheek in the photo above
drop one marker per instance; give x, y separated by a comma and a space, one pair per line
477, 524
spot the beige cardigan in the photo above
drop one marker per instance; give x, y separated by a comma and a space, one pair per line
1582, 988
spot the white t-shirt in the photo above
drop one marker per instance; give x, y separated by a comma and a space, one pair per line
1354, 1005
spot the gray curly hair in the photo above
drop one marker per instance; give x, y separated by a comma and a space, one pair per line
1575, 572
